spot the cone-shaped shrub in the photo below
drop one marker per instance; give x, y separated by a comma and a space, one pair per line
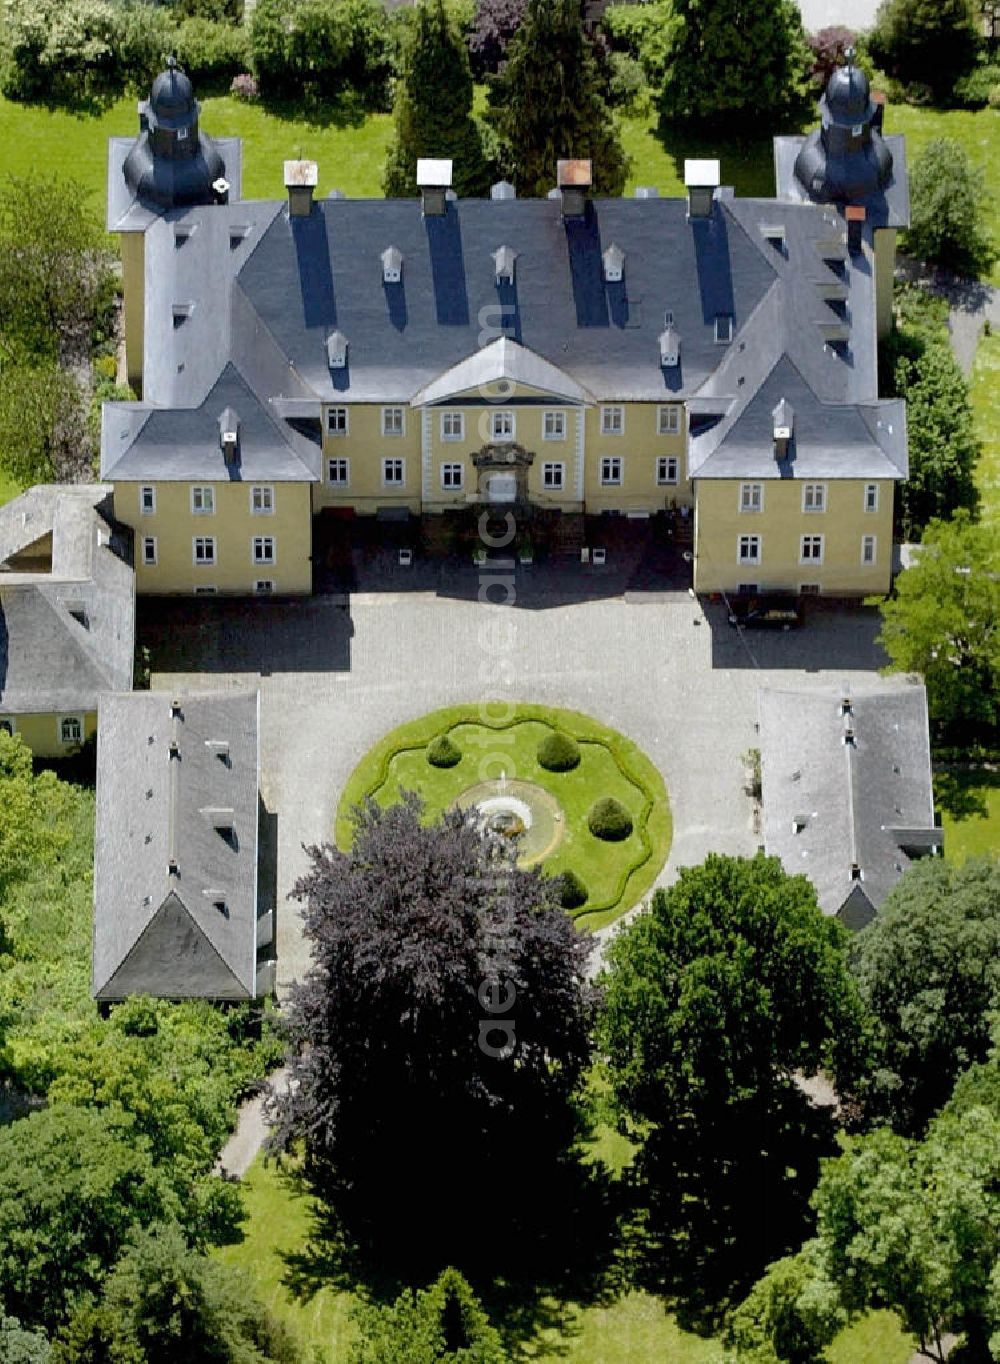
443, 752
572, 892
608, 819
558, 752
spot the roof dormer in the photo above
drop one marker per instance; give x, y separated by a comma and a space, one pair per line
392, 265
670, 347
614, 264
504, 261
336, 350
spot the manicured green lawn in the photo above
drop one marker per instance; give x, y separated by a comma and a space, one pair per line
986, 412
9, 487
615, 874
976, 834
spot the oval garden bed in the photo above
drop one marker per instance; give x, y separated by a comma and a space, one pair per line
499, 762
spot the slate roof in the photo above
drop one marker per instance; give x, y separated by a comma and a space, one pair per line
163, 933
830, 805
67, 601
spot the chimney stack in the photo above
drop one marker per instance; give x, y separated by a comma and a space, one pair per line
574, 180
702, 179
855, 215
301, 179
434, 182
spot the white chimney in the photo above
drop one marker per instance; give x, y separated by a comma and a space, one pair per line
574, 179
702, 179
434, 181
301, 179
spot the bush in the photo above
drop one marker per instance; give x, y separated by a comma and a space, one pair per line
828, 47
609, 820
558, 752
949, 202
979, 88
645, 33
244, 87
627, 86
929, 43
213, 54
323, 48
494, 24
443, 752
572, 891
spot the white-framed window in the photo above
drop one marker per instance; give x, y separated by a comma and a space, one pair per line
263, 549
202, 500
263, 586
554, 426
262, 500
70, 729
748, 549
337, 421
502, 425
393, 421
814, 497
811, 549
612, 421
147, 500
869, 549
871, 497
149, 551
554, 476
668, 420
452, 477
723, 329
393, 473
203, 549
751, 497
453, 426
338, 472
611, 469
666, 469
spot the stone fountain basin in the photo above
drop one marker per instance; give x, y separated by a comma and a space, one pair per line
537, 809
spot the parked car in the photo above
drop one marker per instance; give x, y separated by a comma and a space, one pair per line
779, 613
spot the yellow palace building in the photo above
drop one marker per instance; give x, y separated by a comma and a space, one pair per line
710, 355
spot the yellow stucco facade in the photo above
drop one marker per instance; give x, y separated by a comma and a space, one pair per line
53, 736
834, 536
233, 537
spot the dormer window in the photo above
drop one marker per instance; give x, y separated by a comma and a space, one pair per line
503, 261
614, 264
229, 434
392, 265
723, 329
336, 350
670, 347
782, 425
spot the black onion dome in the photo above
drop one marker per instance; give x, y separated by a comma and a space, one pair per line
171, 163
848, 98
172, 96
846, 158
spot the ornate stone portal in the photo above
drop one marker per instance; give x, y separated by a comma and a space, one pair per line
502, 472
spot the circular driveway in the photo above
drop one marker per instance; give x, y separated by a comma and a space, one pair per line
661, 667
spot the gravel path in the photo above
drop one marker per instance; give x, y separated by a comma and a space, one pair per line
971, 302
241, 1149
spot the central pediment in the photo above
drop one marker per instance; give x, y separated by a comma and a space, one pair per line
502, 368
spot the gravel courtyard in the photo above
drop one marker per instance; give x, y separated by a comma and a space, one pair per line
335, 674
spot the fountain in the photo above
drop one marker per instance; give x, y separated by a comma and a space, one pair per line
504, 814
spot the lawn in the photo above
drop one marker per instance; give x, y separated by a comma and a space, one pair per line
615, 874
986, 413
977, 833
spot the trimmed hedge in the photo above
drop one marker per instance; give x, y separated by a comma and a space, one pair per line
443, 752
572, 891
608, 819
558, 752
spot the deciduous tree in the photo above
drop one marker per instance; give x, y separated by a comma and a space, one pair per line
445, 1018
926, 42
949, 210
942, 622
433, 109
549, 103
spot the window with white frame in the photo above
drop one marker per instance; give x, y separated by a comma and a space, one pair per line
392, 421
668, 420
264, 586
393, 473
336, 421
262, 500
70, 729
666, 469
452, 425
811, 549
871, 497
611, 469
554, 476
502, 425
147, 500
203, 549
452, 477
554, 426
612, 421
723, 329
814, 497
751, 497
869, 548
338, 472
264, 549
202, 500
748, 549
149, 551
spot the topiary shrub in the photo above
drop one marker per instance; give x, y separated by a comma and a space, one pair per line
443, 752
608, 819
572, 892
558, 752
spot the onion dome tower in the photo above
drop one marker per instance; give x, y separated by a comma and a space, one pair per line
845, 158
172, 163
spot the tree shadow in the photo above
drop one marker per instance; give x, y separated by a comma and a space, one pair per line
959, 793
345, 110
747, 160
